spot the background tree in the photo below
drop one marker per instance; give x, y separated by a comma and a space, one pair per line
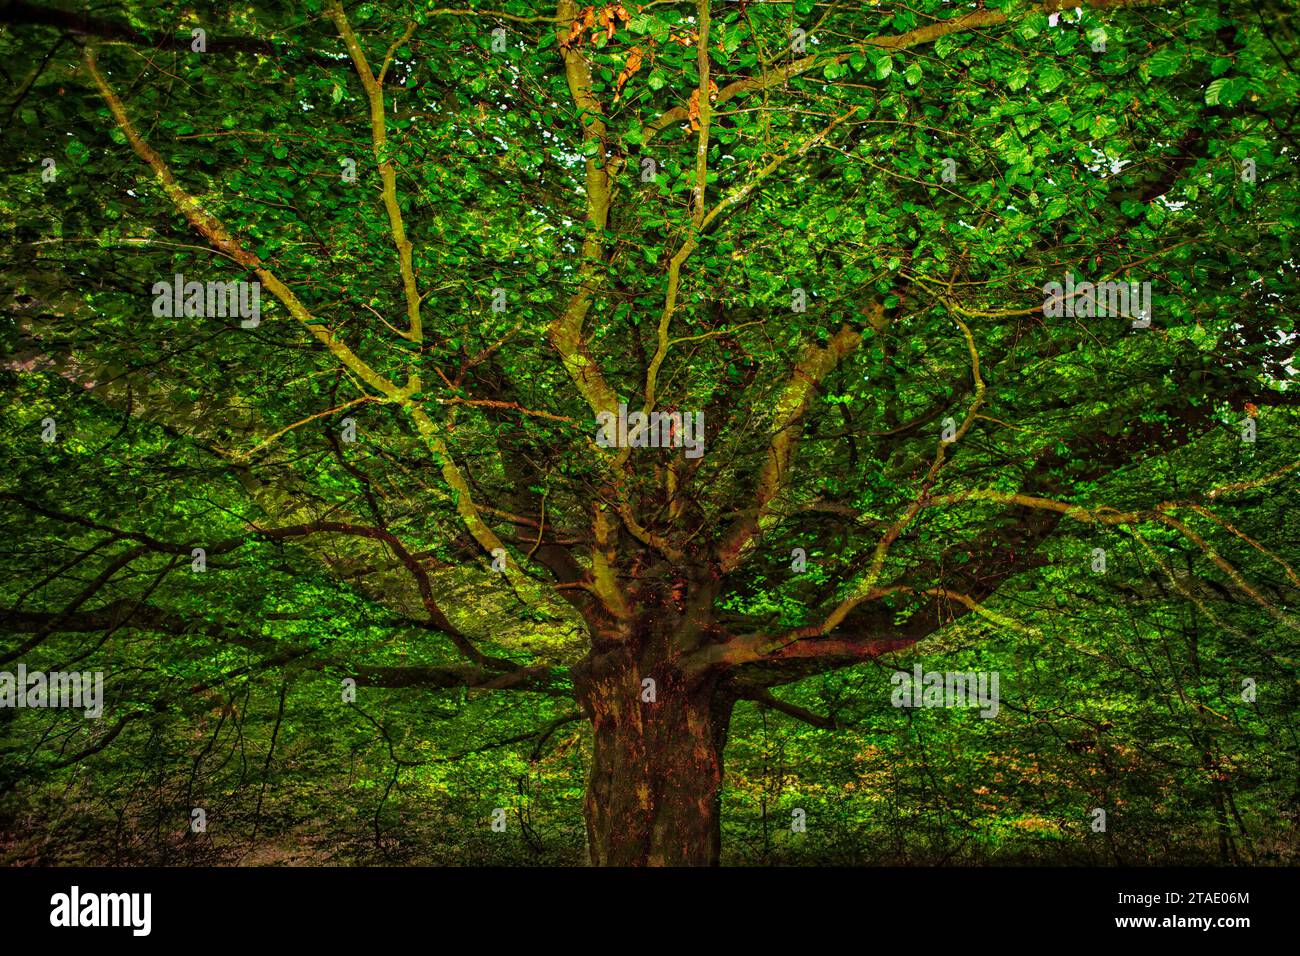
825, 227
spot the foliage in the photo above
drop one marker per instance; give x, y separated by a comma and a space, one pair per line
827, 228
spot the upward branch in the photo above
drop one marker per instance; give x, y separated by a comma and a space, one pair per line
566, 331
216, 233
374, 87
901, 41
814, 364
212, 229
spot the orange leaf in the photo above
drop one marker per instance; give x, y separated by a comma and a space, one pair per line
575, 33
629, 70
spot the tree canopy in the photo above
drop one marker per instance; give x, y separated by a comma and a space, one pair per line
965, 332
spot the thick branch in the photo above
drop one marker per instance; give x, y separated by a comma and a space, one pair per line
814, 364
902, 41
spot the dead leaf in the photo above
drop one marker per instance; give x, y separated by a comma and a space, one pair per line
633, 64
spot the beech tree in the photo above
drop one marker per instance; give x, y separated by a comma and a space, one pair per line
650, 358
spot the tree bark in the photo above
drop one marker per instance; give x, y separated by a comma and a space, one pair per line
656, 771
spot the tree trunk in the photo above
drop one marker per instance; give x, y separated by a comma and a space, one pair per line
656, 771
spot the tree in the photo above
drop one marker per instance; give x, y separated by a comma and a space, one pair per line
815, 242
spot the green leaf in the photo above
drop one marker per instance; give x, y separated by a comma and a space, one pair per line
1234, 90
78, 152
1165, 62
1058, 111
1050, 76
